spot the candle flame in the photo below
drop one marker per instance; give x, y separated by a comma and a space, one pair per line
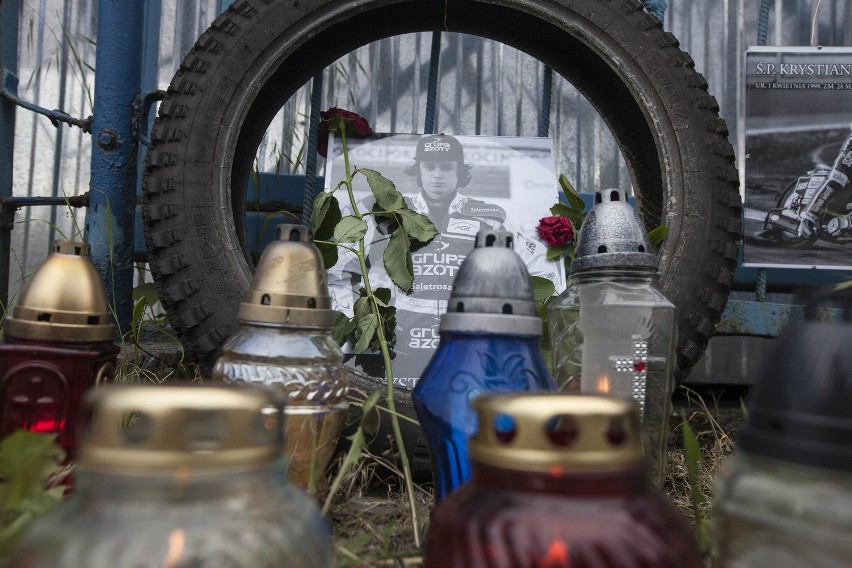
603, 384
177, 545
557, 555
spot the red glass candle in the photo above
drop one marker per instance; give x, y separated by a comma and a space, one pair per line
558, 480
58, 343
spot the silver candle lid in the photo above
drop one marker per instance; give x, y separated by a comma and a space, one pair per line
613, 236
492, 291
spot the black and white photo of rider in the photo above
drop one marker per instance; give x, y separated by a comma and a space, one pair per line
797, 171
440, 172
836, 180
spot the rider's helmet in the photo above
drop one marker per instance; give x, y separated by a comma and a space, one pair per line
440, 148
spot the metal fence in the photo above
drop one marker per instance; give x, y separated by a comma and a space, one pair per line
484, 88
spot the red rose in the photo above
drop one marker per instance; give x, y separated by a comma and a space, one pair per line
556, 230
360, 125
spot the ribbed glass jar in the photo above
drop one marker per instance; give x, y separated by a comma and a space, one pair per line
306, 366
782, 515
180, 476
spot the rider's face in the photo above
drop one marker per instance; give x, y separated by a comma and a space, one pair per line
439, 178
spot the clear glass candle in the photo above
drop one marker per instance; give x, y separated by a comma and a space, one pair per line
783, 515
178, 477
785, 498
613, 331
284, 342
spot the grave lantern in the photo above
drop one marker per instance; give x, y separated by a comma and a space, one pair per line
558, 481
175, 476
58, 344
284, 341
785, 498
612, 330
490, 339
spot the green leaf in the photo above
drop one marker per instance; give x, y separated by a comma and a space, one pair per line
147, 290
366, 329
397, 259
139, 310
418, 226
388, 315
328, 219
350, 229
387, 196
370, 417
138, 318
29, 453
556, 251
658, 235
322, 202
356, 448
574, 200
362, 305
542, 288
27, 461
325, 230
343, 326
694, 458
562, 210
383, 296
576, 219
329, 254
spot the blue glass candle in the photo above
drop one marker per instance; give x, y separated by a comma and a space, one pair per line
489, 343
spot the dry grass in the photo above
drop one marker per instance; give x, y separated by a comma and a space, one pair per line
371, 518
714, 427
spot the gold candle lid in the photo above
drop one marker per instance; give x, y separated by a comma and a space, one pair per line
161, 428
64, 299
556, 432
289, 286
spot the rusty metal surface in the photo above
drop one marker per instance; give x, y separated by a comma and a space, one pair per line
766, 319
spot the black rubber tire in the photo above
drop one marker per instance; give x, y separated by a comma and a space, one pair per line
259, 52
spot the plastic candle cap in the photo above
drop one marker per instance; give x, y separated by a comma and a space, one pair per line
613, 236
161, 428
64, 299
289, 287
556, 431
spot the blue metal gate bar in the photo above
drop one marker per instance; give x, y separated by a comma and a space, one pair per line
9, 60
311, 158
432, 86
544, 109
112, 194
